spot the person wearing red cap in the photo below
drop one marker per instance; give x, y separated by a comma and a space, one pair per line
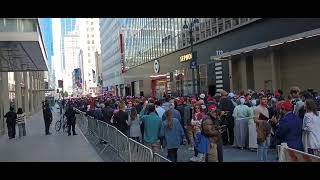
289, 127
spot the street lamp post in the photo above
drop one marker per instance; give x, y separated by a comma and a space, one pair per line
194, 60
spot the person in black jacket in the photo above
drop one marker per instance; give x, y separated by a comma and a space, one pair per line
47, 116
226, 106
120, 119
107, 112
11, 117
71, 119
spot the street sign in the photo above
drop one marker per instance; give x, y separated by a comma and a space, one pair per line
193, 64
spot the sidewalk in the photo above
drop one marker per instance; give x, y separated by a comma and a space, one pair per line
37, 147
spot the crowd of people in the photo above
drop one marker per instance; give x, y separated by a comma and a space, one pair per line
250, 120
254, 120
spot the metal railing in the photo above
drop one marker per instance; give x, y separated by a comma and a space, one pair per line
287, 154
126, 148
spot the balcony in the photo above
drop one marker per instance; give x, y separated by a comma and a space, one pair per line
21, 46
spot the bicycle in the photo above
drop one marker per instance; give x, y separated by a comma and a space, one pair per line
62, 122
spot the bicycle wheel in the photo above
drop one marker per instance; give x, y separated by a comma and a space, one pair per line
58, 125
65, 127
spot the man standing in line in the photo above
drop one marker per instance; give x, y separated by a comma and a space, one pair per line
11, 117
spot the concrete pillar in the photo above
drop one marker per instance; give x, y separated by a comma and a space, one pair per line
230, 74
26, 93
275, 70
5, 102
31, 87
243, 71
18, 98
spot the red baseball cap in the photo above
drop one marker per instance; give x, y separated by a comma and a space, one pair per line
287, 106
212, 108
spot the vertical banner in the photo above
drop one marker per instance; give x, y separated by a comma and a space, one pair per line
123, 67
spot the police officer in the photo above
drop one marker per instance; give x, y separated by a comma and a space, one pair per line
47, 116
71, 119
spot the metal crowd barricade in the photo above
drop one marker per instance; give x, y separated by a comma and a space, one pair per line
112, 134
287, 154
139, 152
158, 158
123, 146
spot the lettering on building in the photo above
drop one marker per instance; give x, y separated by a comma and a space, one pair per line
186, 57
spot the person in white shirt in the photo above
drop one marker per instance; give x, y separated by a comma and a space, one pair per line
160, 110
311, 128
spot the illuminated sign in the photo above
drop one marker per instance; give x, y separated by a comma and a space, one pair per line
186, 57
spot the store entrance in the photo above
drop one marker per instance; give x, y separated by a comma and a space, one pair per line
159, 87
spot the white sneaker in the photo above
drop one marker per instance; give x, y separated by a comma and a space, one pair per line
194, 159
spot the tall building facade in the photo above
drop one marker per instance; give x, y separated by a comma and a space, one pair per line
89, 44
46, 29
112, 53
67, 25
71, 51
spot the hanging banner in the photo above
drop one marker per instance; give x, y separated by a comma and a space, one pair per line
123, 67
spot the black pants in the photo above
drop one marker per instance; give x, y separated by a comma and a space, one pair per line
220, 151
11, 130
173, 154
230, 127
73, 126
228, 136
47, 126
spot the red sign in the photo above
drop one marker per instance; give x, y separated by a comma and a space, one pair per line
123, 67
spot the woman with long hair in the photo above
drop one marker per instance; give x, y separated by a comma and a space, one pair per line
197, 117
311, 128
134, 123
173, 133
21, 121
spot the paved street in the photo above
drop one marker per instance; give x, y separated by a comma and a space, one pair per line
37, 147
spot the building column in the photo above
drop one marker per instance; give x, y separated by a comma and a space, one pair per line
275, 70
4, 103
26, 93
230, 74
18, 98
31, 87
243, 71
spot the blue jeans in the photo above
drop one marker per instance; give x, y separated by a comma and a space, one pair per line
263, 150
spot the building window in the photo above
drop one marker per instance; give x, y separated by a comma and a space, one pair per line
89, 60
208, 33
88, 48
92, 35
88, 42
91, 23
197, 37
203, 35
92, 41
88, 54
92, 29
243, 20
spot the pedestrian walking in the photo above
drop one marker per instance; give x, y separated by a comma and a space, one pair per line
311, 128
173, 134
134, 124
196, 120
47, 116
21, 121
241, 114
152, 125
11, 117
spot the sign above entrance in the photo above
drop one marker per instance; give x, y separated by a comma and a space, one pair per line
186, 57
156, 66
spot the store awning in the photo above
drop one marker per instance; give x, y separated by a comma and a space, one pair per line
277, 42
